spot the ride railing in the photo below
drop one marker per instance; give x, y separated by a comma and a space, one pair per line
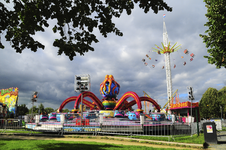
30, 118
82, 125
67, 123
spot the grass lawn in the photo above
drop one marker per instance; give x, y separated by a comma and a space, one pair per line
181, 139
21, 131
13, 144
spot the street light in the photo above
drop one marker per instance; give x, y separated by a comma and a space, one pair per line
221, 112
190, 93
33, 99
82, 83
191, 97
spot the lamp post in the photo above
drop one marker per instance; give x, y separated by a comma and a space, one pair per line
82, 83
221, 112
33, 99
191, 97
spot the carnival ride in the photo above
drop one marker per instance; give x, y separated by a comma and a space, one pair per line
167, 49
109, 89
170, 99
178, 58
44, 117
146, 105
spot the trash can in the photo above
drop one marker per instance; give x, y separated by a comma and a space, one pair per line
210, 133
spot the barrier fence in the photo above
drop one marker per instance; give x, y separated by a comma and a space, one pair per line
11, 124
223, 123
100, 125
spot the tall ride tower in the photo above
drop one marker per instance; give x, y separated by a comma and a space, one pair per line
167, 61
167, 50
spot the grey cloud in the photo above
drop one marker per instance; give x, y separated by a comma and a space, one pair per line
53, 76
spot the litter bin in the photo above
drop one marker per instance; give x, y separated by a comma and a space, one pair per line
210, 134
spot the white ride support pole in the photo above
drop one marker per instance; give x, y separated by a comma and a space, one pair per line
167, 63
168, 76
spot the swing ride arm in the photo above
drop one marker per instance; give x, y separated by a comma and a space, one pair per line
169, 99
146, 94
166, 48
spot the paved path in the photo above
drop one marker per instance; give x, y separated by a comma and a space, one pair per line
108, 139
221, 145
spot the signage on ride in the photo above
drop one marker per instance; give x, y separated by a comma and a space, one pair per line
82, 83
186, 104
9, 97
11, 91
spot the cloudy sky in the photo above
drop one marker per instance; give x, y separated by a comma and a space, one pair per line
53, 76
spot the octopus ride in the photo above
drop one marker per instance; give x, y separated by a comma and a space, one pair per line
117, 112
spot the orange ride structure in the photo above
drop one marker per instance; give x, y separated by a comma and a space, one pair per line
109, 89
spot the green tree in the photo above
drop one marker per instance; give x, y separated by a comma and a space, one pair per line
222, 100
41, 108
11, 115
49, 110
209, 105
215, 39
65, 110
75, 21
35, 110
22, 109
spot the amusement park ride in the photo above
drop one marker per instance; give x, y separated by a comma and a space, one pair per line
167, 49
170, 99
109, 89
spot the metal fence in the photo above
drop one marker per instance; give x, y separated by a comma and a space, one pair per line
98, 124
11, 124
223, 123
148, 128
195, 128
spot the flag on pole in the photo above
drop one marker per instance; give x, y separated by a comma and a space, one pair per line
164, 15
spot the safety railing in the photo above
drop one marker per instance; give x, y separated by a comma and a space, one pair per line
98, 124
66, 123
120, 126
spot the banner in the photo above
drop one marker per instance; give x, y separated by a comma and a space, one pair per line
10, 98
186, 104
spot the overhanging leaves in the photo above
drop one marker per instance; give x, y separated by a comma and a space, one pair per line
75, 21
215, 38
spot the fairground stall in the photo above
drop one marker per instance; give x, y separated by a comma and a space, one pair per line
186, 111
